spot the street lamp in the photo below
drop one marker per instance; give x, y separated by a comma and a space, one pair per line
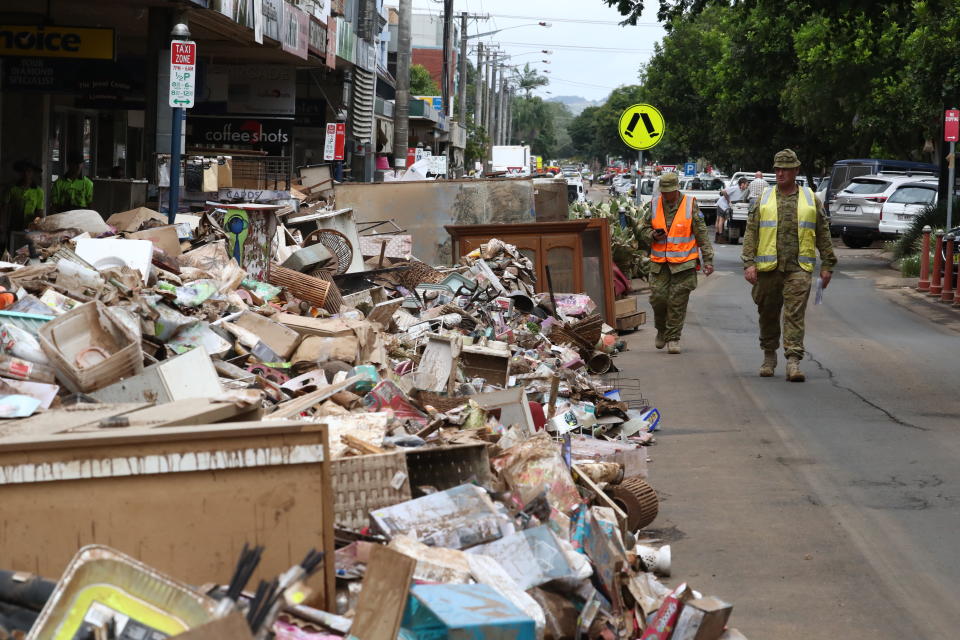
490, 33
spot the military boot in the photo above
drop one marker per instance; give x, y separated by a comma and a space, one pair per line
793, 370
769, 364
673, 346
661, 341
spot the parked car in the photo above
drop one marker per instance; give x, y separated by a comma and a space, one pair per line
855, 213
707, 192
903, 205
844, 171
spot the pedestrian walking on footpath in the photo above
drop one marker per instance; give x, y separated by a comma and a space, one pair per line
785, 229
673, 229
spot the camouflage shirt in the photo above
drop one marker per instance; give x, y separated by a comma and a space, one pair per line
788, 240
645, 233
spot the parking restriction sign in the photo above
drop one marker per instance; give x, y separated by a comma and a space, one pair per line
951, 125
183, 73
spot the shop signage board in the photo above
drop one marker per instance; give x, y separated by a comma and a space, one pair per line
641, 126
272, 15
251, 195
335, 141
183, 73
295, 31
273, 135
81, 43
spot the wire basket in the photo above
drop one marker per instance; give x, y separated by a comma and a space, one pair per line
628, 389
336, 243
267, 172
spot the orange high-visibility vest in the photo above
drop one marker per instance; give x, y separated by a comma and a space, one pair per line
680, 245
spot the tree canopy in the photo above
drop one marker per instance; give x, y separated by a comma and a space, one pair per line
421, 83
737, 80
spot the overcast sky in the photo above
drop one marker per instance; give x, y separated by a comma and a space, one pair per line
592, 54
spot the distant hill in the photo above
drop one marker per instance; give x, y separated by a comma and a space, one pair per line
576, 104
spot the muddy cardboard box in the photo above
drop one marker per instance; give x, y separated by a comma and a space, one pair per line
702, 619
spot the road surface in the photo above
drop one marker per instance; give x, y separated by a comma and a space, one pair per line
828, 509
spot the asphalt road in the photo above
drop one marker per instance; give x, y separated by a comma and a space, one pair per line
828, 509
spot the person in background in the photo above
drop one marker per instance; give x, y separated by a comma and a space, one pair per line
73, 190
23, 200
756, 187
728, 197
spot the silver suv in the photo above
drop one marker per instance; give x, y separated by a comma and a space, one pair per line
855, 214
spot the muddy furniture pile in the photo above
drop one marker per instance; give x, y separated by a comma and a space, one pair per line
216, 435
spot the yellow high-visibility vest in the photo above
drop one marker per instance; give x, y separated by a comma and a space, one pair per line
766, 259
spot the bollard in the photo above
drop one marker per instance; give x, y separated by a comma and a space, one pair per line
947, 295
935, 288
924, 283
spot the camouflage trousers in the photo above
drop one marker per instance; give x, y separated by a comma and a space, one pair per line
669, 293
777, 291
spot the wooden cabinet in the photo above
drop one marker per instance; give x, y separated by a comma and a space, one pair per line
577, 252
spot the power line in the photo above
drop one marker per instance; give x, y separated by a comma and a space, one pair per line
576, 47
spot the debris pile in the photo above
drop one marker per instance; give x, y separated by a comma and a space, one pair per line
482, 466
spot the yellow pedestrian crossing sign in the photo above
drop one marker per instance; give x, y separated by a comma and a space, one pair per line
642, 126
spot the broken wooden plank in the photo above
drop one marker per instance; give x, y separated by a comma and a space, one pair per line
295, 407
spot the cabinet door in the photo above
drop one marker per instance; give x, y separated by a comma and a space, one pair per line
563, 253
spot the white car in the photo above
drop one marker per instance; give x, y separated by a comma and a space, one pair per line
903, 205
855, 213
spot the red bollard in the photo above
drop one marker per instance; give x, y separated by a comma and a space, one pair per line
947, 295
935, 288
924, 284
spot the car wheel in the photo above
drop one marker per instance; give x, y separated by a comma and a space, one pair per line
855, 242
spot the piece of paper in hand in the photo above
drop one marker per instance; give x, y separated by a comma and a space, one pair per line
819, 298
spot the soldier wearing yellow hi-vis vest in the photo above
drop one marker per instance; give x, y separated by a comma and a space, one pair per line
786, 228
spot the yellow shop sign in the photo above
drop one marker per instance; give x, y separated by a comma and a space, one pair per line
54, 41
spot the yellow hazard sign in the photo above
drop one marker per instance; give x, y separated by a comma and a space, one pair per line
641, 126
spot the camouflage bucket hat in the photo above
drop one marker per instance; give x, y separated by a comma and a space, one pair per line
669, 182
786, 159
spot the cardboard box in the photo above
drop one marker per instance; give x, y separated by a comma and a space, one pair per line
165, 238
132, 220
464, 611
281, 339
626, 306
702, 619
88, 331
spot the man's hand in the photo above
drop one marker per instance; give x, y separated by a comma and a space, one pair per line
659, 235
750, 273
825, 277
707, 269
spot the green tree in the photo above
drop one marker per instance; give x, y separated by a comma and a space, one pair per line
421, 83
533, 124
583, 134
528, 79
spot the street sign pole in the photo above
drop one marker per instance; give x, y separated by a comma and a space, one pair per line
183, 73
950, 183
636, 196
175, 152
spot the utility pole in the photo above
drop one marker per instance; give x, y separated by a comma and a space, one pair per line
478, 89
494, 99
401, 115
491, 86
509, 127
447, 52
501, 125
462, 97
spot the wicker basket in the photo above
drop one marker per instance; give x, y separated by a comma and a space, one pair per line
307, 288
365, 483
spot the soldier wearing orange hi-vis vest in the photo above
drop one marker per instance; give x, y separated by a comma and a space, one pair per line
676, 235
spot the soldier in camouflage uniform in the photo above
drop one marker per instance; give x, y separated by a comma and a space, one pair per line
784, 228
672, 281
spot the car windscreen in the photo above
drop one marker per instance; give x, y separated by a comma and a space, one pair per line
861, 187
913, 195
